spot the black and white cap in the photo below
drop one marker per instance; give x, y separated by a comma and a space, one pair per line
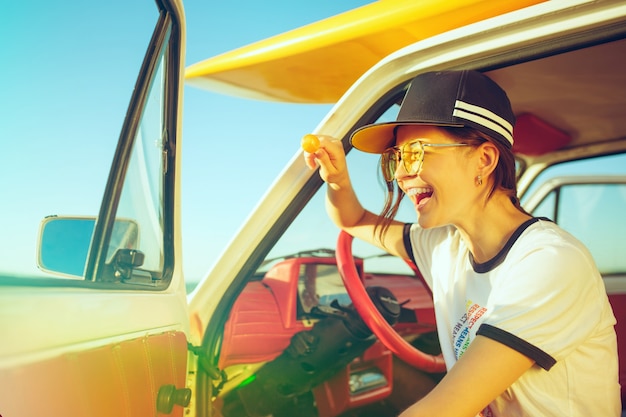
446, 98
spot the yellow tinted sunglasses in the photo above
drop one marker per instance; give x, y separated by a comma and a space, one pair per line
411, 154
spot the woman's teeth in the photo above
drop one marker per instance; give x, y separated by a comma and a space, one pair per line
419, 190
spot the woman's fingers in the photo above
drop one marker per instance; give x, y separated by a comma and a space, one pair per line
329, 156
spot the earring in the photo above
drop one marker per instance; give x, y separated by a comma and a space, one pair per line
479, 180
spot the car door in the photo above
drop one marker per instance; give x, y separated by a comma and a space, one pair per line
93, 307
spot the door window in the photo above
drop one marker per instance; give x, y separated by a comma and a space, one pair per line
588, 199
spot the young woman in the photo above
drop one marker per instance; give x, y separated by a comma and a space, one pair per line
524, 322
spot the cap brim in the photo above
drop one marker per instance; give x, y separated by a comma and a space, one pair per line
375, 138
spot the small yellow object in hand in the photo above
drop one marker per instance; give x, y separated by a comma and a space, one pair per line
310, 143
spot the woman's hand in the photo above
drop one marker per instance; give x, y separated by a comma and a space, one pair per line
330, 158
342, 204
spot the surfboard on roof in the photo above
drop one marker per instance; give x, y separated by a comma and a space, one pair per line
318, 62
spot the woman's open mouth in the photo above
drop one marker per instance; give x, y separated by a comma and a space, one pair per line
419, 195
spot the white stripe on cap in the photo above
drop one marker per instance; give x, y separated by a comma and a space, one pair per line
483, 117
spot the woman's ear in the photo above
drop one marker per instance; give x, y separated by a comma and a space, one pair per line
488, 156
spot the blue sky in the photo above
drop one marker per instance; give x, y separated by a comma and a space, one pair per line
57, 146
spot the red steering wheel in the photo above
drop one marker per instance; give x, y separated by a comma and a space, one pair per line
372, 317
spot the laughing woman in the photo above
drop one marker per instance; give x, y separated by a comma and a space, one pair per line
523, 319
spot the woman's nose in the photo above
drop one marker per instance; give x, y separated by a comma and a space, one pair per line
401, 171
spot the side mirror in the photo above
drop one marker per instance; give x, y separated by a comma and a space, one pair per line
64, 243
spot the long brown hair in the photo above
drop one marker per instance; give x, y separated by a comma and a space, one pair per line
504, 177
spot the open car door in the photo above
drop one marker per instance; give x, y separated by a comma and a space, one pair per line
100, 327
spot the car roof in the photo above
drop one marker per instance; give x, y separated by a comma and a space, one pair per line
576, 97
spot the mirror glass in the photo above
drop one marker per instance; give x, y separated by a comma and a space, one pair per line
64, 243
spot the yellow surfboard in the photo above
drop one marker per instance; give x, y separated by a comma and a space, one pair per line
318, 62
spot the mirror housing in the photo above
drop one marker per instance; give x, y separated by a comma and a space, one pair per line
64, 243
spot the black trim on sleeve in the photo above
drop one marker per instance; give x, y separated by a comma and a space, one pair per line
533, 352
406, 237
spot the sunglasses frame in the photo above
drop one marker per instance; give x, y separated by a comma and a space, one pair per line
399, 151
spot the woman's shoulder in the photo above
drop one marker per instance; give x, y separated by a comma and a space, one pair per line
546, 243
545, 231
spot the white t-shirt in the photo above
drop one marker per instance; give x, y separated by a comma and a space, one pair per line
543, 296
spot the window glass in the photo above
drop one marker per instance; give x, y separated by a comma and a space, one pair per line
67, 78
313, 230
547, 207
602, 165
142, 194
588, 207
595, 214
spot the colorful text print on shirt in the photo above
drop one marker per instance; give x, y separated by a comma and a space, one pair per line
462, 329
